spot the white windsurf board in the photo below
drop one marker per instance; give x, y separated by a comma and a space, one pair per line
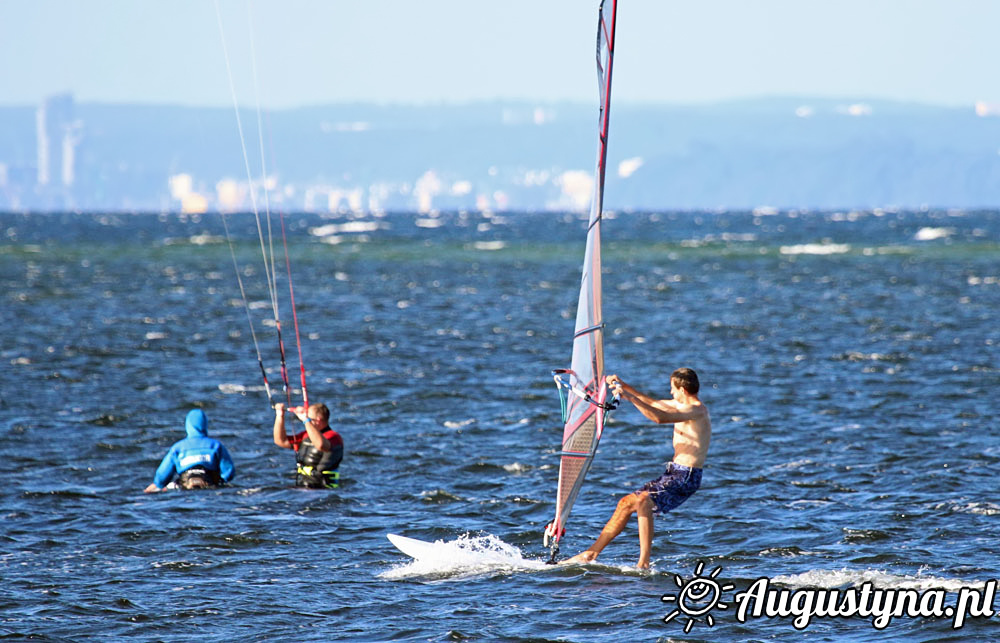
418, 549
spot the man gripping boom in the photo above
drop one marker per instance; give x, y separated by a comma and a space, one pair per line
692, 434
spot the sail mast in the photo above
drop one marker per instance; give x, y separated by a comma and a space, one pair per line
604, 34
585, 404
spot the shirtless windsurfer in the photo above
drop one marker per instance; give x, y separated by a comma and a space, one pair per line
692, 434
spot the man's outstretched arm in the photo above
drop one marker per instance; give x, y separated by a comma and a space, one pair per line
659, 411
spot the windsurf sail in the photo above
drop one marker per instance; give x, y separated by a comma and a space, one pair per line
582, 387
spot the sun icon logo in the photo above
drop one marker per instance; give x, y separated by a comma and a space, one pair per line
697, 597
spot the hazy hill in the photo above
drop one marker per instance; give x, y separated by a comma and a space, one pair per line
788, 152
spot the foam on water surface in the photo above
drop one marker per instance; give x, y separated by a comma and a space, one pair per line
467, 555
829, 579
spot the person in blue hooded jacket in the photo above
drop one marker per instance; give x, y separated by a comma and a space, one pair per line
198, 461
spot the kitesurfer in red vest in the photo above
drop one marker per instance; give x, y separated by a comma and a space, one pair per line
318, 449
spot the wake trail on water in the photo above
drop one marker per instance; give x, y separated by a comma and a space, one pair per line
465, 556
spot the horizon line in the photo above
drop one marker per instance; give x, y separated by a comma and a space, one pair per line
521, 101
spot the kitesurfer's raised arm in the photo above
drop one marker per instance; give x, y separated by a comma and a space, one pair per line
318, 449
315, 423
315, 434
280, 436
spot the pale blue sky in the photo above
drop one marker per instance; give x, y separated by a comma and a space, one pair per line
321, 51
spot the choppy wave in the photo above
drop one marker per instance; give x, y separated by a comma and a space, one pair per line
979, 508
351, 227
828, 579
816, 249
232, 388
930, 234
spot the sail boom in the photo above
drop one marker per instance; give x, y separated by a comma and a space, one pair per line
585, 331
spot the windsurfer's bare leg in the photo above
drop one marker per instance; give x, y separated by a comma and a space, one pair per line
645, 515
626, 507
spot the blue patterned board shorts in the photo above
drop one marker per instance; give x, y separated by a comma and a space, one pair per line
677, 484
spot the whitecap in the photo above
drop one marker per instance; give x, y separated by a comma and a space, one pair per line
930, 234
795, 464
489, 245
979, 508
816, 249
831, 579
887, 250
230, 388
855, 356
338, 228
205, 239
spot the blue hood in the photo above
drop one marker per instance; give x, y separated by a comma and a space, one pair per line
197, 424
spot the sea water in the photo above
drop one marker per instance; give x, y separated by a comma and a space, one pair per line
849, 359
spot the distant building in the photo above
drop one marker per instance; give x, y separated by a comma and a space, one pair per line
57, 134
426, 188
576, 187
182, 191
230, 195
